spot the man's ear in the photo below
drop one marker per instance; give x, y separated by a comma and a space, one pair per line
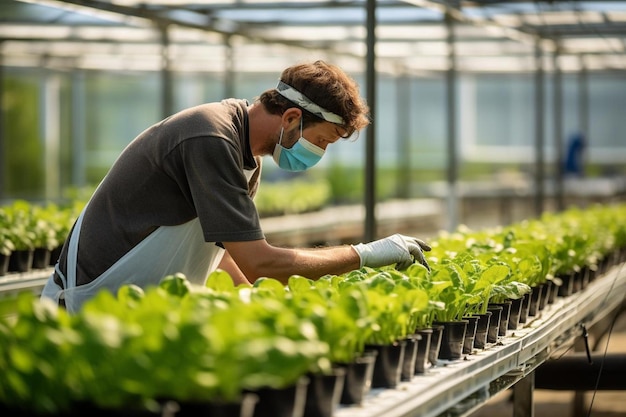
291, 117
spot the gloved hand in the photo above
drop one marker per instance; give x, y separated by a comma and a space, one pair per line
396, 249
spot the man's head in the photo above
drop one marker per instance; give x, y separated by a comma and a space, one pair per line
328, 88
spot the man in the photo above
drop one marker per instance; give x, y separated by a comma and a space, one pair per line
179, 197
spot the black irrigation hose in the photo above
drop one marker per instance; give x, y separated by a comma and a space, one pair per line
586, 339
608, 339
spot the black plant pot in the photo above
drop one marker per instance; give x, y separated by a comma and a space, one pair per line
41, 258
603, 265
81, 409
592, 272
523, 315
452, 339
243, 408
554, 291
21, 260
516, 309
494, 323
535, 300
323, 393
482, 328
423, 347
435, 344
15, 411
410, 356
282, 402
578, 281
388, 365
358, 379
470, 334
505, 317
586, 277
567, 288
546, 289
4, 264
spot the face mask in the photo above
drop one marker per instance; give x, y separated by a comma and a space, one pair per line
301, 156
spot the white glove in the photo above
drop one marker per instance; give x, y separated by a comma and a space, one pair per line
396, 249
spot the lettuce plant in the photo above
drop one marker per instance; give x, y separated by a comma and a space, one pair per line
393, 302
173, 341
338, 315
6, 243
20, 230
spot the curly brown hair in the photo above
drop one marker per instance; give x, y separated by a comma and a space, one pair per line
326, 85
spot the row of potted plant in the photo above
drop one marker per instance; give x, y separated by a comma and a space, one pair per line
293, 196
31, 234
544, 257
221, 345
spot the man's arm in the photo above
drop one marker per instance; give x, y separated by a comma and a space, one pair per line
258, 258
228, 264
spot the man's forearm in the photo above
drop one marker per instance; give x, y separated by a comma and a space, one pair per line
228, 264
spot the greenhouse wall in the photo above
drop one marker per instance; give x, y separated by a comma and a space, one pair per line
99, 113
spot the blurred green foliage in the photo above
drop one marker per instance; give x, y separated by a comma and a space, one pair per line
23, 168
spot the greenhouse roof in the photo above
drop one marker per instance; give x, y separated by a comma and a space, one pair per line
254, 35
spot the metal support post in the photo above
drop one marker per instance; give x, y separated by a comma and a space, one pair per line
453, 198
167, 86
539, 133
558, 133
523, 405
403, 94
229, 68
370, 145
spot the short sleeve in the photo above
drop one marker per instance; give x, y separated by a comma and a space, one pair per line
213, 169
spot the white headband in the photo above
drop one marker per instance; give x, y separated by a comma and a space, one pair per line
301, 100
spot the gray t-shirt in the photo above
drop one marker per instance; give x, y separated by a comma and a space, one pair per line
188, 165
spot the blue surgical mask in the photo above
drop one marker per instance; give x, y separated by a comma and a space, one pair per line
301, 156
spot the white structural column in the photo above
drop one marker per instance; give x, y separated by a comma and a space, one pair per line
50, 103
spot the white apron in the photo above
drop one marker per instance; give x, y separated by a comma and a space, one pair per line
167, 250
